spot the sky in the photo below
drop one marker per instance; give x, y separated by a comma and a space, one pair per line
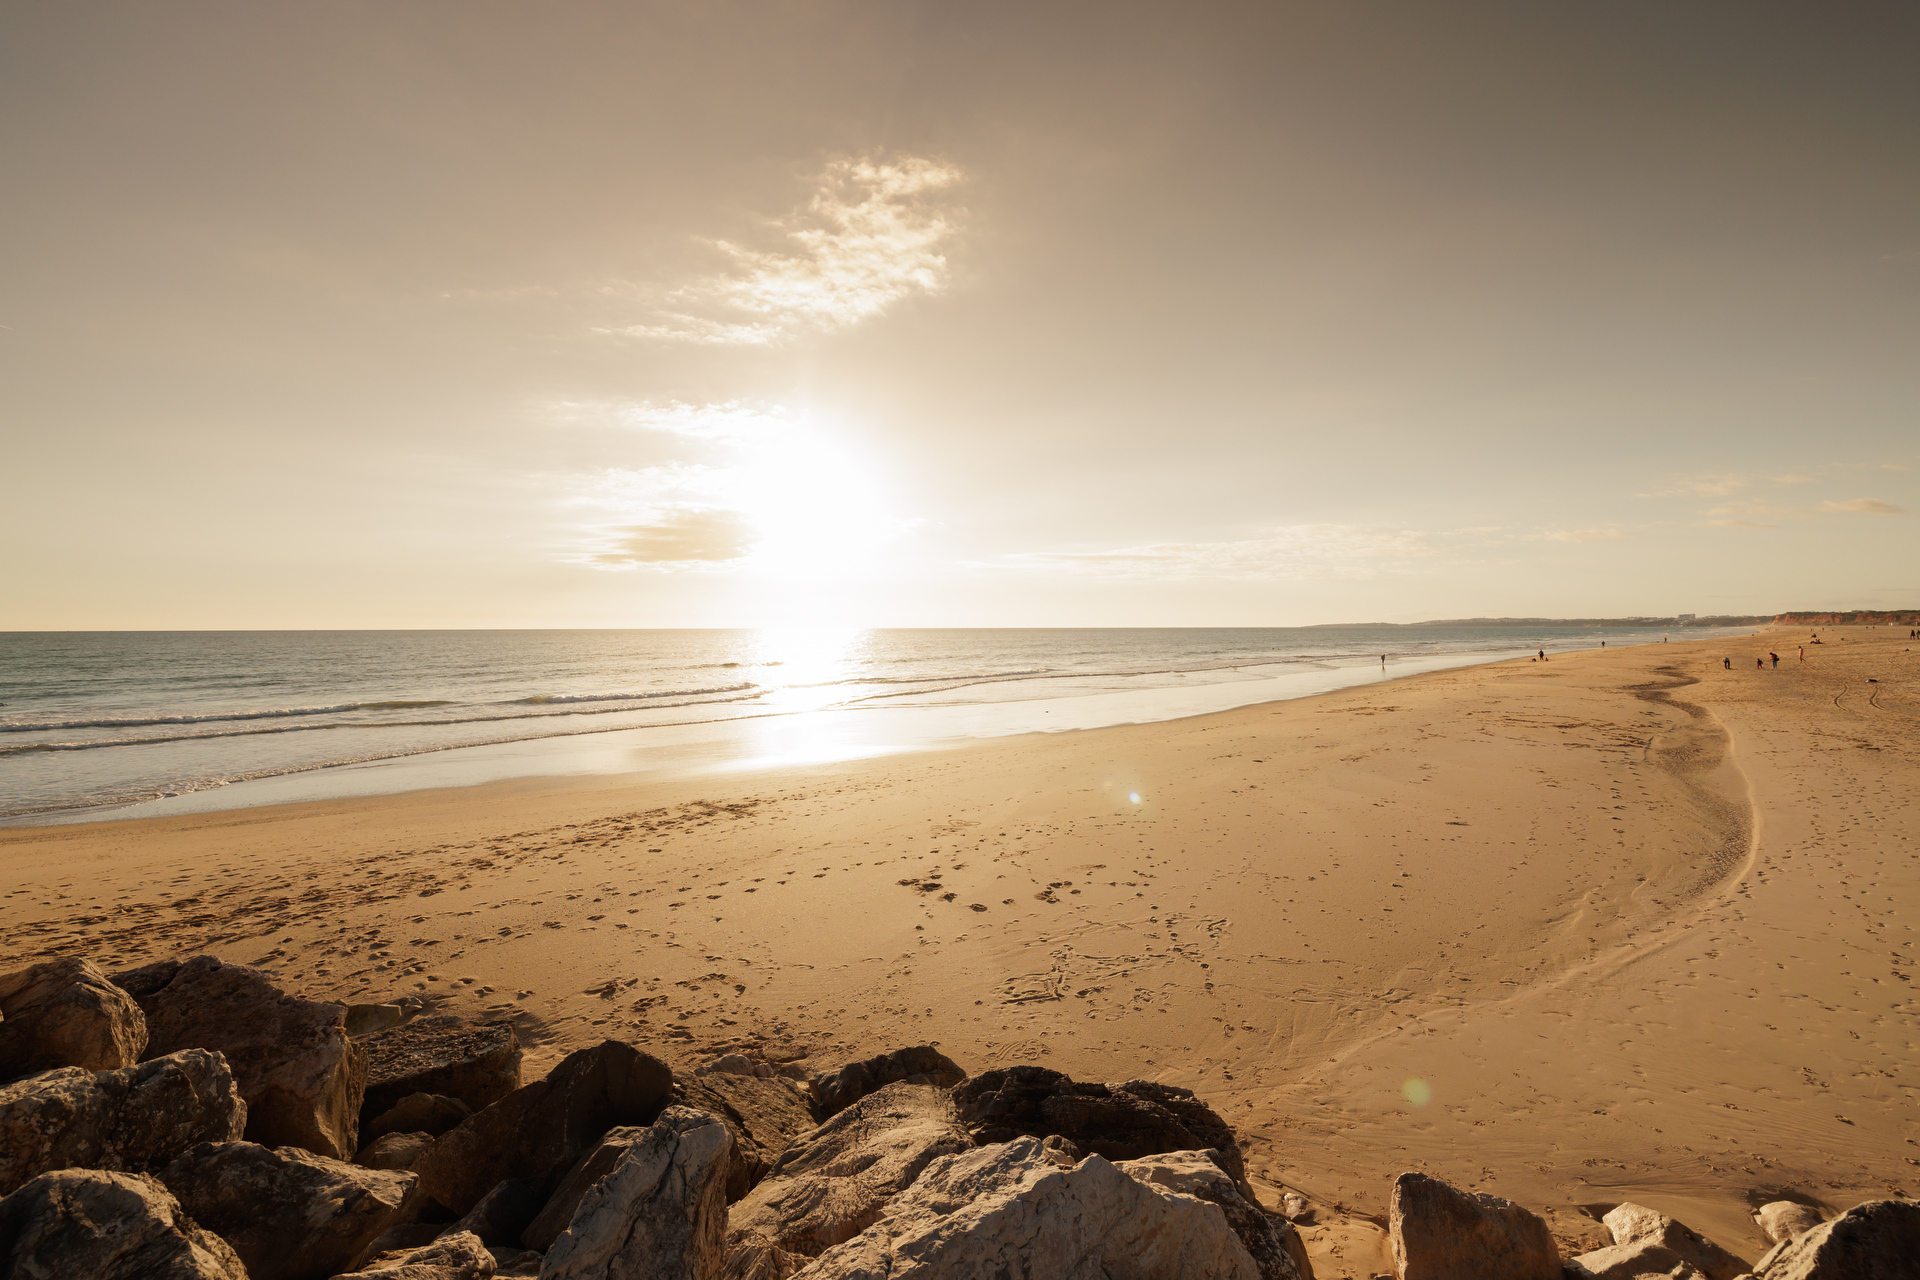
902, 313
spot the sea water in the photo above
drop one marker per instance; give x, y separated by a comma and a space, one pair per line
121, 724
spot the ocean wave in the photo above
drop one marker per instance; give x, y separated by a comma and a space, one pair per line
30, 748
564, 699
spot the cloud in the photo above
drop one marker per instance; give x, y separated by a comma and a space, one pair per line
1793, 479
1297, 552
871, 236
1714, 486
686, 536
1581, 535
1863, 506
1735, 524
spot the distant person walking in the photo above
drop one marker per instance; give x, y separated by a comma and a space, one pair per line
1543, 655
1760, 663
1803, 653
1727, 663
1776, 659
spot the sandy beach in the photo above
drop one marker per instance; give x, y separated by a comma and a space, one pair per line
1622, 925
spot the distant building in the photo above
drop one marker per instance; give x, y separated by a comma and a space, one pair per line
1683, 617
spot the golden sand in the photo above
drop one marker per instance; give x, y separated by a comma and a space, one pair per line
1622, 925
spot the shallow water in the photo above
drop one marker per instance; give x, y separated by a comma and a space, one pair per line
101, 724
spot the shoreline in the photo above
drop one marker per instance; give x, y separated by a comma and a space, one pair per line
1555, 896
750, 742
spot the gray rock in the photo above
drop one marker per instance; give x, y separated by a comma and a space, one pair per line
1878, 1240
922, 1064
394, 1151
1118, 1121
1440, 1233
454, 1256
661, 1214
477, 1063
1785, 1219
1269, 1239
539, 1130
127, 1120
67, 1013
547, 1224
301, 1075
1010, 1212
1634, 1224
417, 1113
763, 1115
106, 1226
831, 1184
289, 1214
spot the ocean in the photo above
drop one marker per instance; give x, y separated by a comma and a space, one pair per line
122, 724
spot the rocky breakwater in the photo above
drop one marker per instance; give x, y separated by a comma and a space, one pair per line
189, 1121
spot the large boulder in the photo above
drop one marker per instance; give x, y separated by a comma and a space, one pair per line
478, 1063
1011, 1212
762, 1114
1785, 1219
301, 1075
458, 1255
661, 1214
67, 1013
127, 1120
552, 1218
1118, 1121
1634, 1224
1440, 1233
832, 1183
1878, 1240
540, 1129
417, 1113
289, 1214
1275, 1247
106, 1226
834, 1091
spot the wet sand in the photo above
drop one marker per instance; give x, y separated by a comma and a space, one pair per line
1622, 925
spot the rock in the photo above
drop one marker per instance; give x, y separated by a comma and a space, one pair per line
1785, 1219
1061, 1151
300, 1074
1294, 1207
106, 1226
1878, 1240
1575, 1231
738, 1064
417, 1113
1641, 1260
539, 1130
1265, 1237
406, 1235
1011, 1213
834, 1091
394, 1151
832, 1183
455, 1256
1633, 1224
1439, 1233
661, 1214
1121, 1121
516, 1262
123, 1121
289, 1214
67, 1013
505, 1212
366, 1019
762, 1114
477, 1063
553, 1217
148, 979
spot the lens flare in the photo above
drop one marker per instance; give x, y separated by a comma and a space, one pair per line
1417, 1091
1134, 796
